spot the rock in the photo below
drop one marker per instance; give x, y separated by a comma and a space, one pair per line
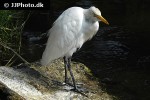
8, 94
46, 83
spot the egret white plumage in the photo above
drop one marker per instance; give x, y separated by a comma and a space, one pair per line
69, 32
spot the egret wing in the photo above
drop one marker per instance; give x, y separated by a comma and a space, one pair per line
63, 35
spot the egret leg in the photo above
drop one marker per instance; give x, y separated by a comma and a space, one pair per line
69, 68
66, 68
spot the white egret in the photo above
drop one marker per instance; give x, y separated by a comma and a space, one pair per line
69, 32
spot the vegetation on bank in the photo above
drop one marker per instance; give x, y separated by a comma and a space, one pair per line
11, 26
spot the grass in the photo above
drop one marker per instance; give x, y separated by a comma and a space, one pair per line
11, 25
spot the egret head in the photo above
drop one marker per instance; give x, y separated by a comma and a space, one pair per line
97, 14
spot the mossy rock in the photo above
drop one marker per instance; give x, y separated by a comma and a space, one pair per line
46, 82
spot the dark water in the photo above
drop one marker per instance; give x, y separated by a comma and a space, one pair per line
118, 55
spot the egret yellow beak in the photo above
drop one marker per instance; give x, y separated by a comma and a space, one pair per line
102, 19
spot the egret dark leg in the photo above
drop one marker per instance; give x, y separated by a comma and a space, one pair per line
66, 68
69, 68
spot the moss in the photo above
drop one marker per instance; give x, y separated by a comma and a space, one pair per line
55, 77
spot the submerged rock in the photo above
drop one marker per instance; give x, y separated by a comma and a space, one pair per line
46, 82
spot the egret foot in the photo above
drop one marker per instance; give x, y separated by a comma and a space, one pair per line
81, 91
66, 81
67, 84
79, 85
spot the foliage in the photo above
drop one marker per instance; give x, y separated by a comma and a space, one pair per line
11, 25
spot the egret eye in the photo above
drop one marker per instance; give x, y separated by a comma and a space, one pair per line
95, 15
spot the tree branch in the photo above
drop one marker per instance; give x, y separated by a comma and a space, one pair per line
5, 46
